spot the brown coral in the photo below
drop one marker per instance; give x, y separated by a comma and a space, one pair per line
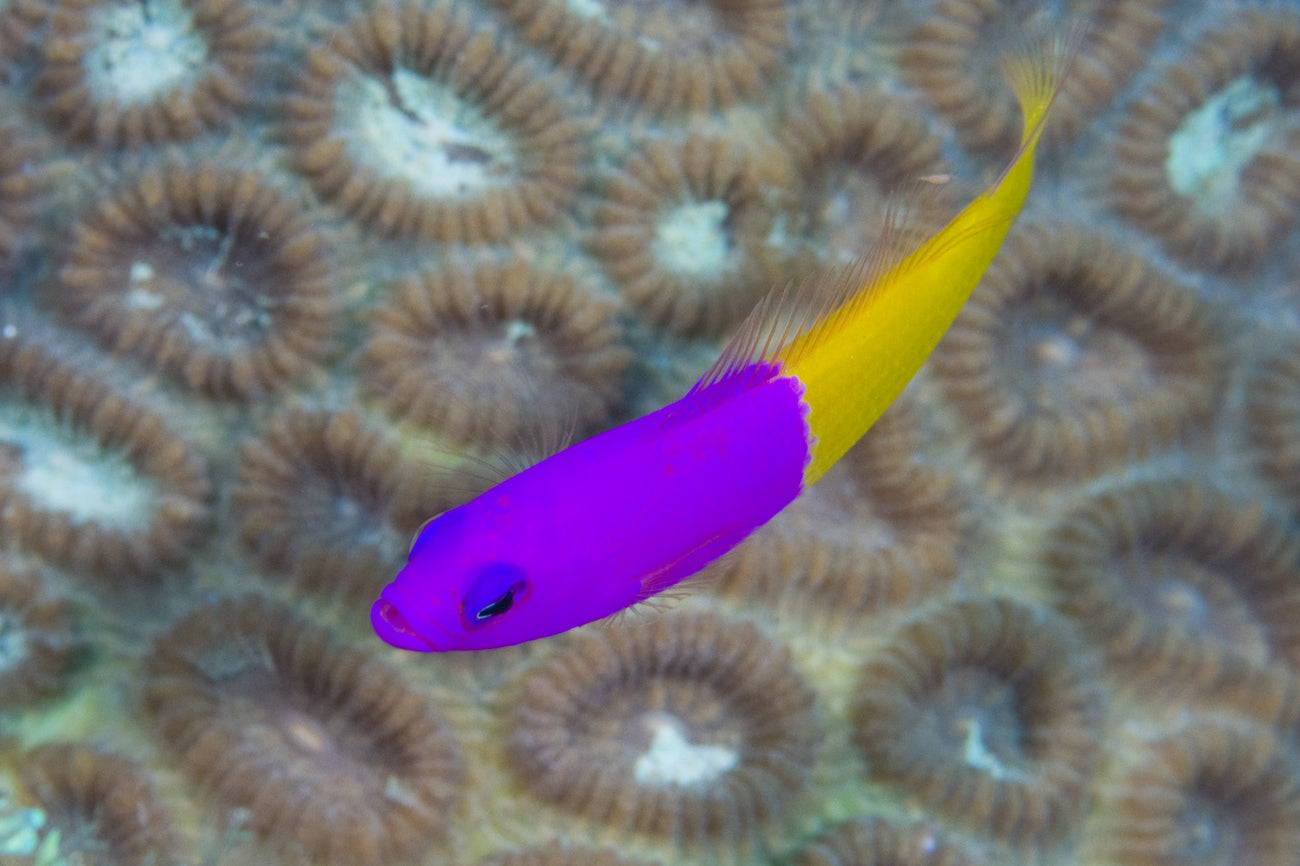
661, 56
1211, 792
88, 478
103, 806
1174, 579
19, 19
210, 273
37, 643
316, 500
1074, 355
684, 232
131, 73
988, 712
327, 753
423, 126
1207, 159
494, 352
560, 855
955, 57
1273, 419
878, 842
881, 529
855, 149
18, 187
687, 727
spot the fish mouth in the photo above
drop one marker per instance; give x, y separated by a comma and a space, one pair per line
393, 629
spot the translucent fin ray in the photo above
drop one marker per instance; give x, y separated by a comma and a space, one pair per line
762, 343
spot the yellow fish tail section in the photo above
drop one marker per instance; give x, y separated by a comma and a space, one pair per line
856, 360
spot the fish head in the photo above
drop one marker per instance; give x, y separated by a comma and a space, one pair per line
462, 587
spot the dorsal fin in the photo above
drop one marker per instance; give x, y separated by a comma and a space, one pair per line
753, 355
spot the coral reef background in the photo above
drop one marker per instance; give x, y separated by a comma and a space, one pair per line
280, 280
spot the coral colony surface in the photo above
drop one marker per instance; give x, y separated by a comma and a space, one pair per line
281, 280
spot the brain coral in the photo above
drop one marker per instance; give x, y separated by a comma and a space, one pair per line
988, 712
278, 278
690, 728
1212, 791
99, 807
37, 642
1207, 159
89, 478
421, 124
135, 73
664, 57
683, 230
495, 352
1173, 578
1074, 355
211, 273
325, 752
316, 500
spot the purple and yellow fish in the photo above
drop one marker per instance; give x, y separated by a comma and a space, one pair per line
611, 521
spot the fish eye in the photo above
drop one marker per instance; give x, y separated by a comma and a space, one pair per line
498, 607
493, 592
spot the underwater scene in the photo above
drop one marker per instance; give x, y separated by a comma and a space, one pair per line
281, 280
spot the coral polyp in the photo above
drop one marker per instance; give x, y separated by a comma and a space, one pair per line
37, 641
1273, 419
687, 728
1206, 160
316, 499
96, 807
1175, 579
131, 73
19, 184
1212, 791
490, 353
879, 842
324, 752
89, 479
684, 231
423, 125
986, 711
855, 150
1074, 356
662, 57
212, 274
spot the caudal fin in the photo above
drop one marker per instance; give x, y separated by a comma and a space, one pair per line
1035, 73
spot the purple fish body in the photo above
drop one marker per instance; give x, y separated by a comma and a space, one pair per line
603, 524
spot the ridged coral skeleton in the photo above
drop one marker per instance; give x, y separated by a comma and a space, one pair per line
691, 728
423, 125
88, 478
209, 272
330, 756
988, 713
489, 353
130, 74
1074, 356
1206, 161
